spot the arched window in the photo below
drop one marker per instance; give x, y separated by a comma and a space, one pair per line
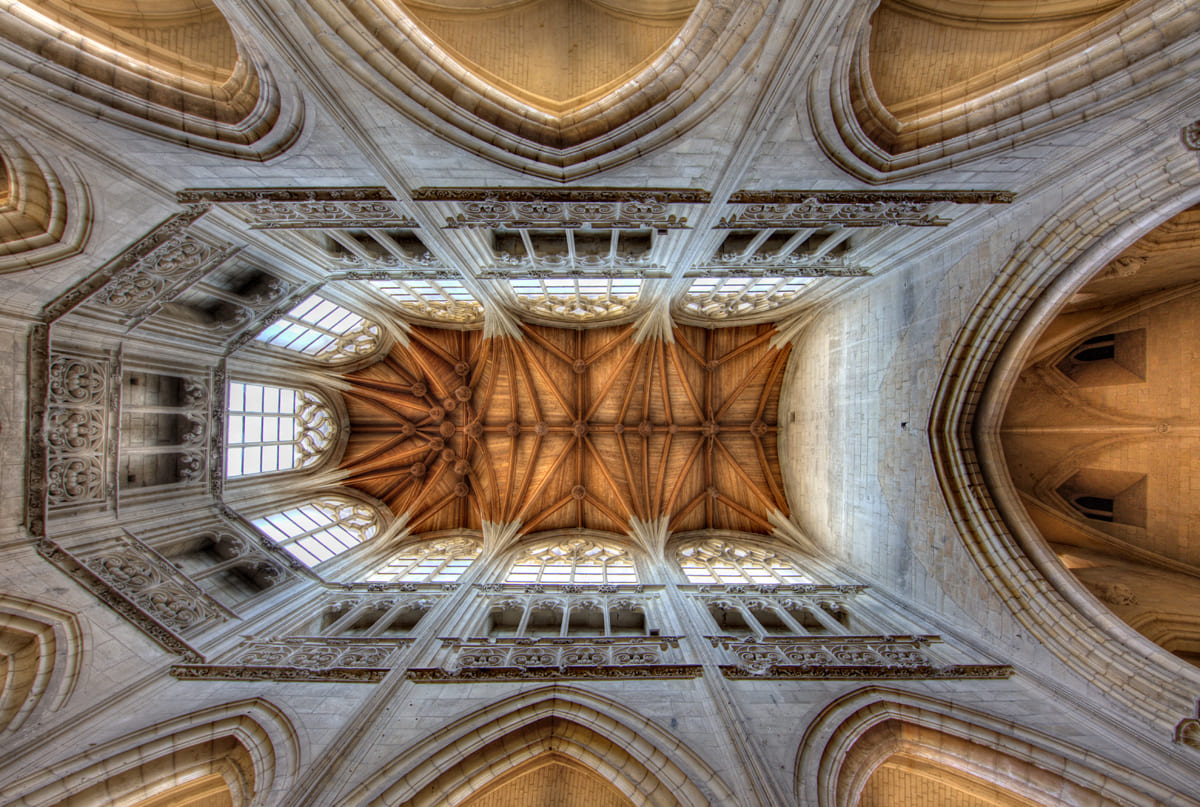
724, 562
274, 429
429, 562
443, 299
317, 532
578, 298
322, 330
724, 297
577, 560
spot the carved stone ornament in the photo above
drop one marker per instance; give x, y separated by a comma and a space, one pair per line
557, 658
114, 598
155, 585
224, 672
1191, 136
498, 674
568, 207
35, 466
805, 657
118, 266
307, 208
77, 417
848, 208
321, 653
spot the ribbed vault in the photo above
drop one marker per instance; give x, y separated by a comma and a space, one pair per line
564, 428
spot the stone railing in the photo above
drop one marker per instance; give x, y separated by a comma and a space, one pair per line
302, 659
806, 657
557, 658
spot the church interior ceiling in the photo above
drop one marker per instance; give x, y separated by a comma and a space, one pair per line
599, 402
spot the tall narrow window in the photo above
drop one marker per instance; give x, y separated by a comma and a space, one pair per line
274, 429
322, 330
429, 562
578, 560
319, 531
724, 562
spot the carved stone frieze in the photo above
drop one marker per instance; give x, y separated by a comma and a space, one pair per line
570, 673
867, 672
604, 208
564, 588
118, 266
154, 584
118, 600
776, 266
229, 672
75, 431
307, 208
318, 653
557, 657
843, 657
848, 208
798, 588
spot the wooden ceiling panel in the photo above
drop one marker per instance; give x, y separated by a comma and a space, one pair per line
571, 429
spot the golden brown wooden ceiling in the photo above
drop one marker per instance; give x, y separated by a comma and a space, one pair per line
571, 429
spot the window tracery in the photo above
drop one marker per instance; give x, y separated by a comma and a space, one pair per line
445, 299
324, 331
274, 429
578, 298
316, 532
429, 562
577, 560
725, 297
716, 561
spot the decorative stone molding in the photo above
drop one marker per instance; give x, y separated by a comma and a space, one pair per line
606, 208
319, 653
572, 673
80, 399
564, 588
808, 589
1188, 731
154, 584
849, 208
170, 230
557, 658
1191, 136
36, 483
307, 208
111, 596
732, 265
226, 672
815, 657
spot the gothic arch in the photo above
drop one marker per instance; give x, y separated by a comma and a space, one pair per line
41, 219
646, 763
1104, 63
690, 76
101, 58
41, 653
250, 745
861, 733
968, 407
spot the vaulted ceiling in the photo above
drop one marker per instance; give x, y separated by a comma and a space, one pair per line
568, 428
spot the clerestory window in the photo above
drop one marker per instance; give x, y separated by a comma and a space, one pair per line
322, 330
443, 299
429, 562
274, 429
316, 532
716, 561
578, 560
578, 298
725, 297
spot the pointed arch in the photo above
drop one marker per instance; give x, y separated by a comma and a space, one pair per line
41, 653
118, 61
1107, 56
860, 733
41, 219
646, 763
248, 747
729, 559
